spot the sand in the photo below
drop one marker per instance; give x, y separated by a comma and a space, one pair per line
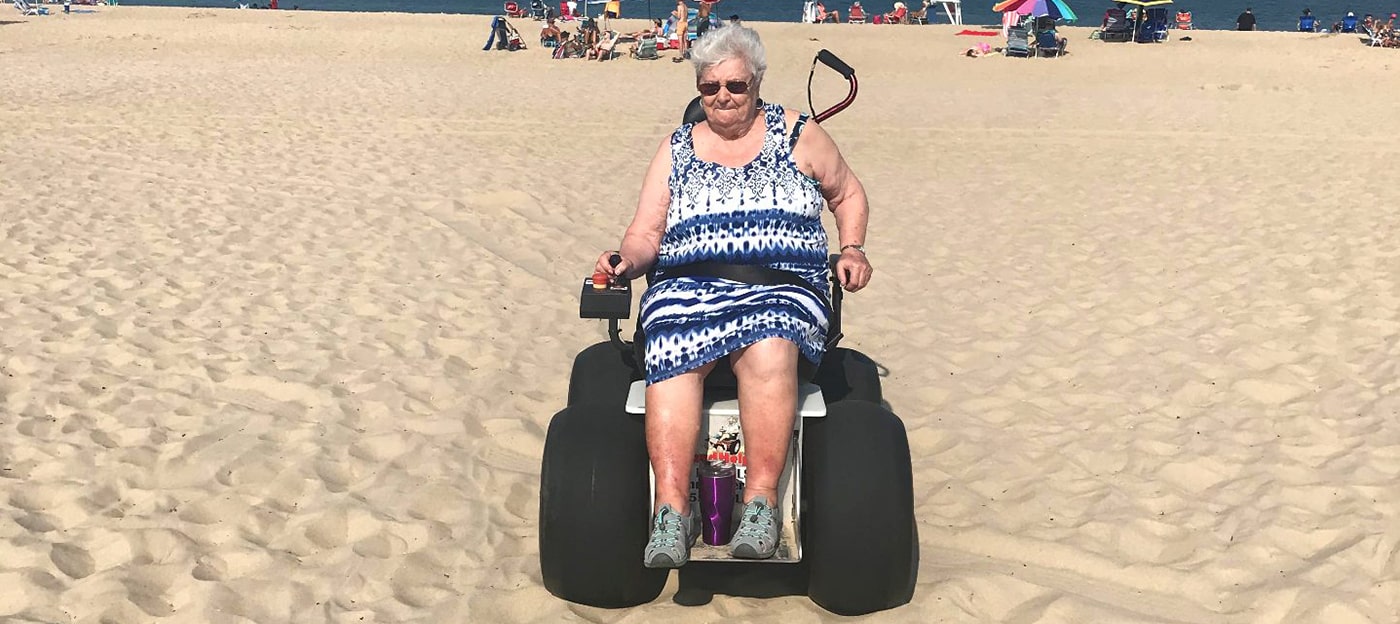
289, 299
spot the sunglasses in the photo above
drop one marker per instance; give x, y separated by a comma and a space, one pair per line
711, 88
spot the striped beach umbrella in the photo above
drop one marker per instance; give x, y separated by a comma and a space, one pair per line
1037, 8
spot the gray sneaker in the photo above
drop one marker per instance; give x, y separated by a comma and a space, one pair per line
757, 537
672, 535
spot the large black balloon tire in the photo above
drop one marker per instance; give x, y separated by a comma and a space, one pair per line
859, 538
601, 376
594, 509
847, 374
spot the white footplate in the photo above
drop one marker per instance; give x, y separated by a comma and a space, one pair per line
721, 440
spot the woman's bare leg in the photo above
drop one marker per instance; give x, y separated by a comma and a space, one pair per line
673, 426
767, 373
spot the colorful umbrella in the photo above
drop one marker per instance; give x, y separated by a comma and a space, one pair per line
1037, 8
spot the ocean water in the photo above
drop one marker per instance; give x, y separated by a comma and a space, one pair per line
1207, 14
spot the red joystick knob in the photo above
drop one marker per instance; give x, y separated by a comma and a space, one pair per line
600, 280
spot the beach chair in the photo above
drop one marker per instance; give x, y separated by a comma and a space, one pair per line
646, 48
1373, 36
1116, 26
1307, 23
1047, 43
513, 9
856, 15
898, 16
1183, 20
503, 36
1349, 23
607, 44
28, 9
538, 10
919, 17
1154, 26
1018, 43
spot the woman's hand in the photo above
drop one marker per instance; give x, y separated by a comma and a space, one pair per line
605, 265
853, 270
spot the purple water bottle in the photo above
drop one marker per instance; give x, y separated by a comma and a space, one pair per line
717, 483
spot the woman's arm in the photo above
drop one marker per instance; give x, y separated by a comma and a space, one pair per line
818, 157
642, 242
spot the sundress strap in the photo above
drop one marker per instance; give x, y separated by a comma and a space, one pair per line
797, 131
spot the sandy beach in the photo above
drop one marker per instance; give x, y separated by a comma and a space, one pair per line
287, 300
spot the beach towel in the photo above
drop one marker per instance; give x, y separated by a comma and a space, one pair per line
979, 33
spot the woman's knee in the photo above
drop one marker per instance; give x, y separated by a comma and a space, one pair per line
767, 358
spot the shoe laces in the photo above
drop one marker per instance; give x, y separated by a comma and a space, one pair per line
758, 519
667, 530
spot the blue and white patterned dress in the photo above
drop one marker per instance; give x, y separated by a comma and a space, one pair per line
764, 213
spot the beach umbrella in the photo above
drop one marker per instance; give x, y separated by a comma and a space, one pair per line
1056, 9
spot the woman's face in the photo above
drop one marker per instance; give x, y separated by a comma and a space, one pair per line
725, 107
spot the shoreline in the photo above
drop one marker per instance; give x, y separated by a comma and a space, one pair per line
290, 301
996, 26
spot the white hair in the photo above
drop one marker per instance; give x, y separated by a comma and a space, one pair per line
731, 42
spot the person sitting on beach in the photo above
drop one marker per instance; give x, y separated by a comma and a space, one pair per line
897, 15
656, 30
569, 46
603, 49
1307, 23
1045, 28
549, 34
588, 33
1347, 25
747, 186
856, 12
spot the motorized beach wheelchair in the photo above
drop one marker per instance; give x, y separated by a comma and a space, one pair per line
848, 534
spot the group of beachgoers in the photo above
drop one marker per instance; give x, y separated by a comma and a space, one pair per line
1381, 33
815, 12
595, 41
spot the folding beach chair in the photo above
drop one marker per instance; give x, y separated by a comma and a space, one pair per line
1154, 26
1183, 20
503, 36
856, 15
607, 43
1307, 23
1048, 44
27, 9
512, 9
1349, 23
1116, 26
1373, 36
646, 48
1018, 43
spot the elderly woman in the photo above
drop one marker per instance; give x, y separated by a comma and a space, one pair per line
744, 187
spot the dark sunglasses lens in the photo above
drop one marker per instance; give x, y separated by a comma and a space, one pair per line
737, 88
709, 88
